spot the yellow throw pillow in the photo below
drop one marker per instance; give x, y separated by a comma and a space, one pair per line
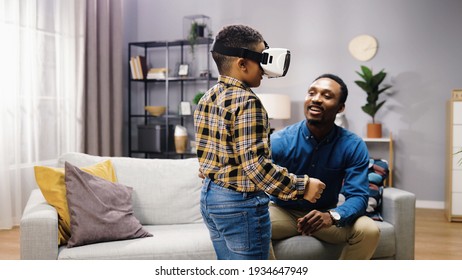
51, 182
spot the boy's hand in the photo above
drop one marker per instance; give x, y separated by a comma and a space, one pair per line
314, 190
201, 175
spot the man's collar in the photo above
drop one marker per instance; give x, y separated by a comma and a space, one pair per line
327, 139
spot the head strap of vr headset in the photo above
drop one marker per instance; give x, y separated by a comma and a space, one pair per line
240, 52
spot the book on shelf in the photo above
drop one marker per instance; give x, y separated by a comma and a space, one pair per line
133, 68
141, 66
157, 73
138, 67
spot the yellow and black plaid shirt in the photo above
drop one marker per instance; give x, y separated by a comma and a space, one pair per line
233, 145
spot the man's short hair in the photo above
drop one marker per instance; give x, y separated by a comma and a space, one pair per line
343, 86
236, 36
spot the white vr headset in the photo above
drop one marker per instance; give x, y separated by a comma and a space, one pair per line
274, 61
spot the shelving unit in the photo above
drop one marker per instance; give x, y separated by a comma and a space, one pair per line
150, 136
453, 203
381, 141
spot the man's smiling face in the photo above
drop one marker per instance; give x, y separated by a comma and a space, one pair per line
322, 102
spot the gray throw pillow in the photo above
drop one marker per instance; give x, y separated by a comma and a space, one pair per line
99, 209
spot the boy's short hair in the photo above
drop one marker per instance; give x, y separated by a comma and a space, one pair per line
236, 36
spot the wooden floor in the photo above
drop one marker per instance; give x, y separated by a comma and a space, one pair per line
436, 238
9, 244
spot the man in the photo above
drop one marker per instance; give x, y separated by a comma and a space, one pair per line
339, 158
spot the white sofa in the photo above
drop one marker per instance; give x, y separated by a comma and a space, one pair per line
166, 202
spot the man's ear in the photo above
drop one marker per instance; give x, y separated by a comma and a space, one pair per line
342, 108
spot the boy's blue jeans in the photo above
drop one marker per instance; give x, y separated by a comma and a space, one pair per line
239, 223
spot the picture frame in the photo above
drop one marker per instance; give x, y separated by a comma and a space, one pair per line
457, 95
185, 108
183, 70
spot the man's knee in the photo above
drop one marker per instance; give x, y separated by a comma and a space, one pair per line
368, 229
282, 224
282, 229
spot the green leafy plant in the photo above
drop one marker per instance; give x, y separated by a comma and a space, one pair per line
370, 83
196, 31
460, 160
198, 97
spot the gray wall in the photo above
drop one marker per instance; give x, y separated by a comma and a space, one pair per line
419, 46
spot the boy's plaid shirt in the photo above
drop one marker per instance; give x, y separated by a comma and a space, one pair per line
232, 142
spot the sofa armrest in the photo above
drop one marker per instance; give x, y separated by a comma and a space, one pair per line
39, 229
398, 209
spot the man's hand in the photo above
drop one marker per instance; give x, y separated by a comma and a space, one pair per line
314, 190
313, 221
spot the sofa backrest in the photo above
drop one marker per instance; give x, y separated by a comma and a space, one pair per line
165, 191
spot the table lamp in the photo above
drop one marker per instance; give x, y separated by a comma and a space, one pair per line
277, 105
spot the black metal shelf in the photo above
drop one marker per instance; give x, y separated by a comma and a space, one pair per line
176, 43
172, 153
160, 117
175, 79
146, 86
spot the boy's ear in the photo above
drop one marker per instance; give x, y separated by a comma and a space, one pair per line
241, 63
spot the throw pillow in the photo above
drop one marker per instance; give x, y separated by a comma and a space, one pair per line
100, 210
51, 182
378, 172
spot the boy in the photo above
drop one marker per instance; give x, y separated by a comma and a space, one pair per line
233, 150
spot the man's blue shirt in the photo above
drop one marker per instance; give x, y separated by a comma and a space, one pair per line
340, 160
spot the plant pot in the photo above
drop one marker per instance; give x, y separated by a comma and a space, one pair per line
374, 130
200, 31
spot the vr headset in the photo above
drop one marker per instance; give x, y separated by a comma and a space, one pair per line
274, 61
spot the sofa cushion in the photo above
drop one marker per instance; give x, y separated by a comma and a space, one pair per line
165, 191
169, 242
377, 174
100, 210
51, 183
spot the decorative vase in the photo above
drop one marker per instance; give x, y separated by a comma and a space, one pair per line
340, 120
181, 139
374, 130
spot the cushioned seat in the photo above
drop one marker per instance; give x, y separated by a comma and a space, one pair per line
166, 202
168, 242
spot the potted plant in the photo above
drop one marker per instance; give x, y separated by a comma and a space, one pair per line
197, 30
370, 83
198, 97
459, 152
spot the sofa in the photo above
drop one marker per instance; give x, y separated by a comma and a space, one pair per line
165, 200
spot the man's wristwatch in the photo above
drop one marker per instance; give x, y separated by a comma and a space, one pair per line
335, 216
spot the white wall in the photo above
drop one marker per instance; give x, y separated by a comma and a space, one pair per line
419, 46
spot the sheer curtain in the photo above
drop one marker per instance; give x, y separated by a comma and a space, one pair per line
41, 87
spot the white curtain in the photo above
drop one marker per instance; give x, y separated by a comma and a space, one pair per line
41, 88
